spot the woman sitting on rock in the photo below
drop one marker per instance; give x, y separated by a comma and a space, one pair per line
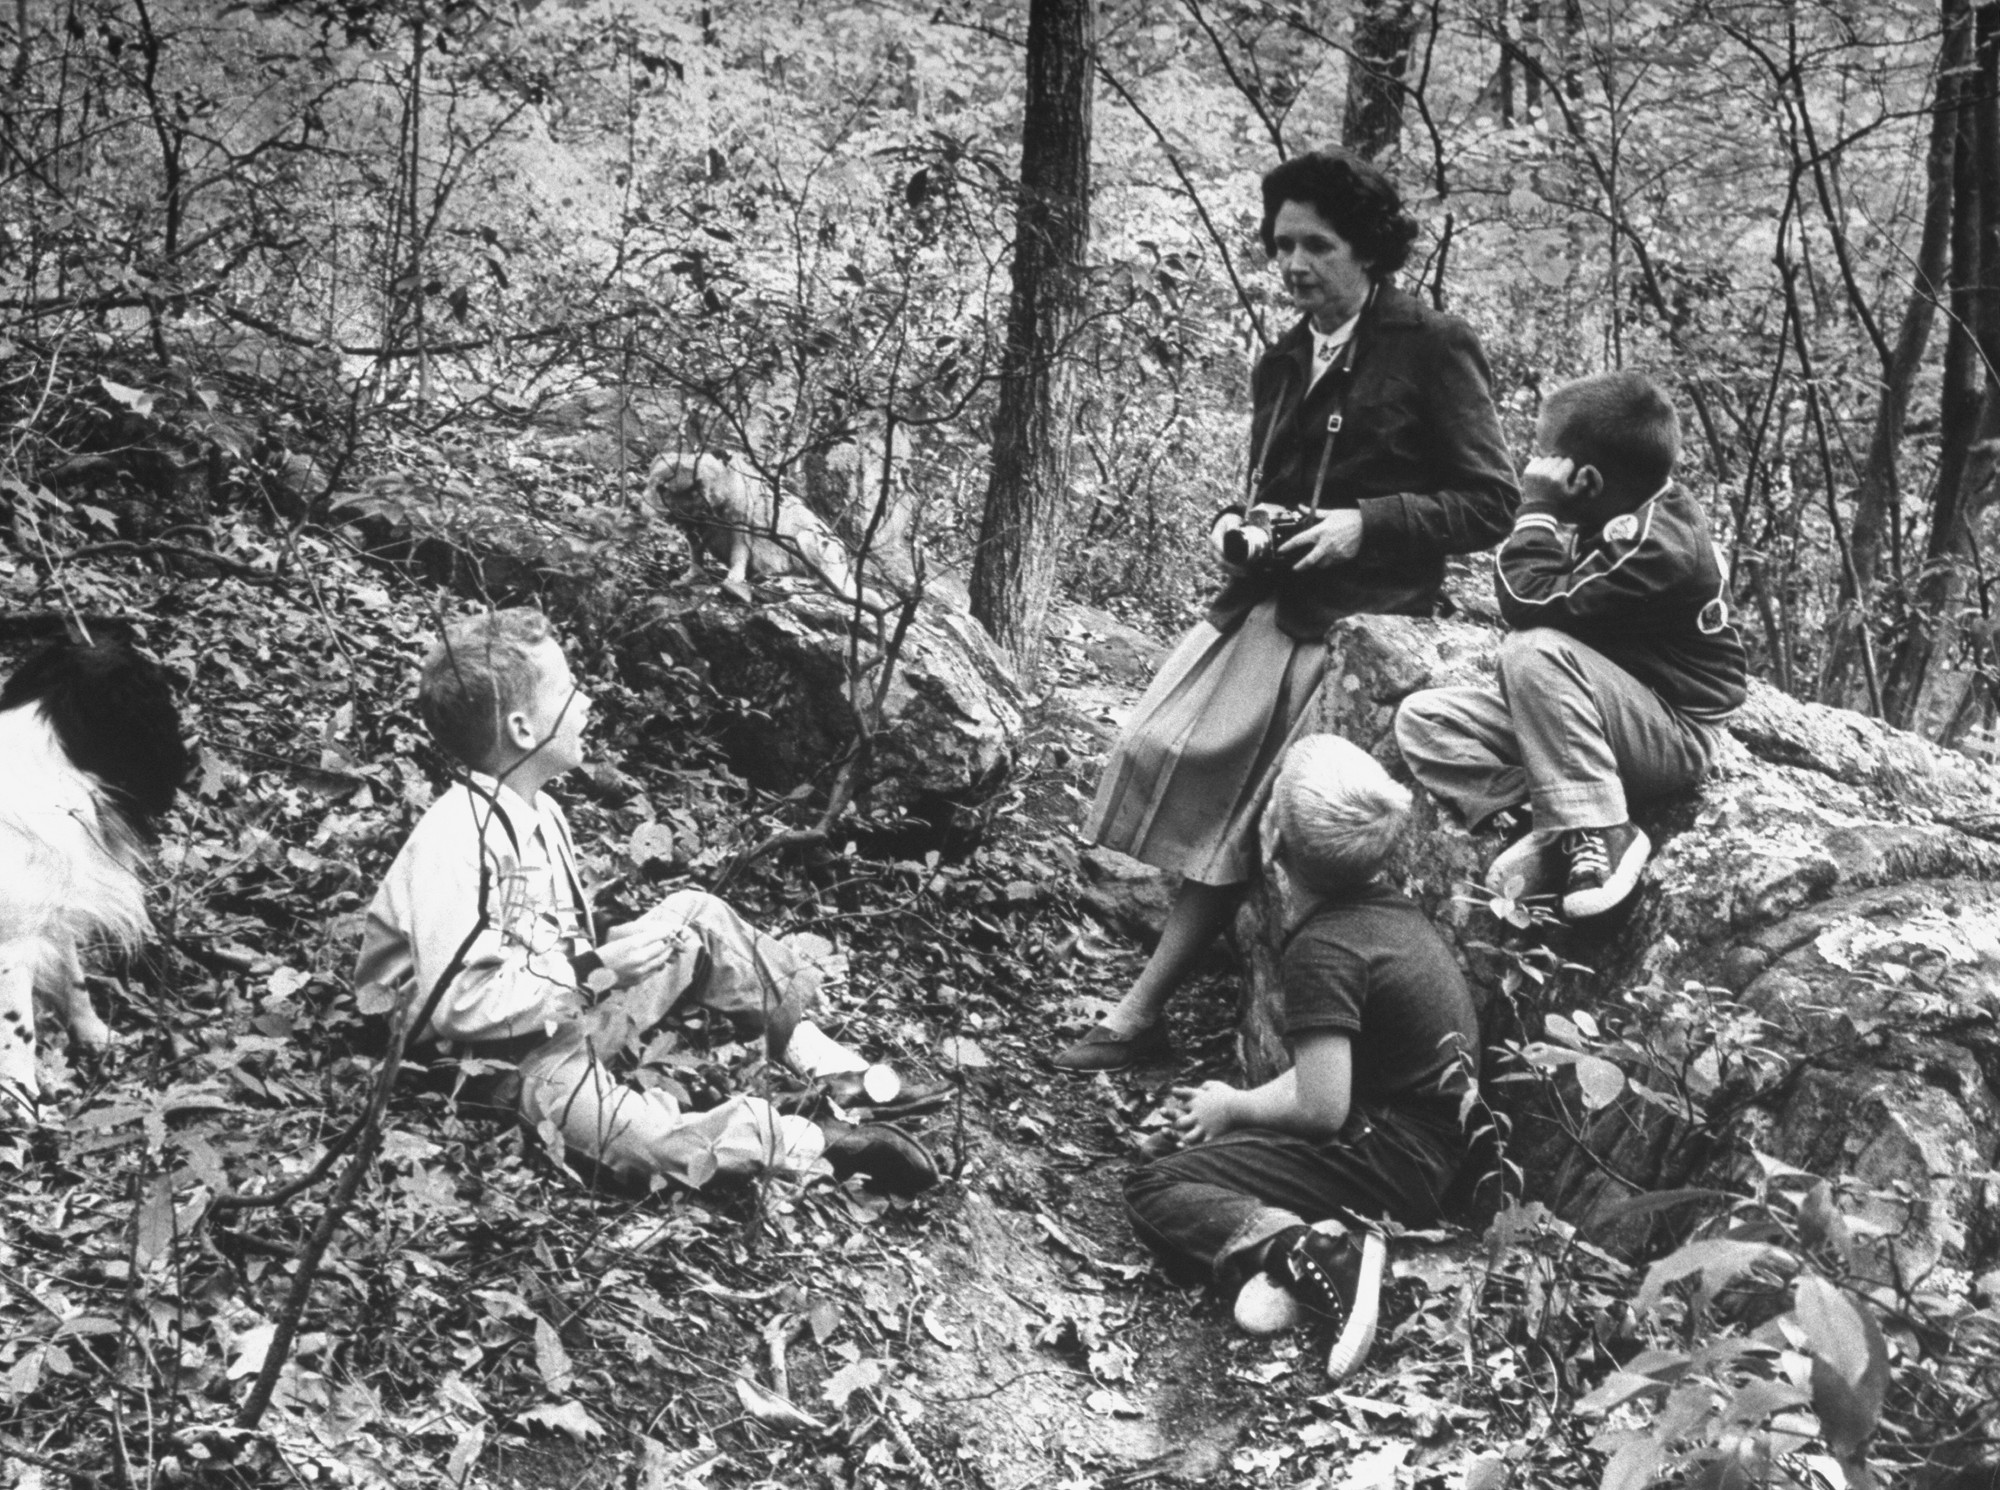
1376, 443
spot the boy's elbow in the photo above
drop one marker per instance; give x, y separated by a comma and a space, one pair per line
1324, 1119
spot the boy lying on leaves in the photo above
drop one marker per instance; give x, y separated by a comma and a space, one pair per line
1271, 1194
483, 917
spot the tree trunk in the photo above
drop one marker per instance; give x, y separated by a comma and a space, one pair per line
1372, 125
1531, 35
1027, 496
1878, 498
1970, 414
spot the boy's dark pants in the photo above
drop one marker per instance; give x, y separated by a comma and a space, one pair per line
1208, 1210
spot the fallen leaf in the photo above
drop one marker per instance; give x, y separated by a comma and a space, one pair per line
939, 1331
251, 1347
651, 841
963, 1050
464, 1455
1113, 1404
551, 1359
1377, 1470
774, 1411
857, 1376
565, 1417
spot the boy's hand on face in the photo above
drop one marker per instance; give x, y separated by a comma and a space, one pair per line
1556, 484
1207, 1111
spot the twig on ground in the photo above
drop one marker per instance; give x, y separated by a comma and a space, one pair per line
369, 1140
174, 551
336, 1146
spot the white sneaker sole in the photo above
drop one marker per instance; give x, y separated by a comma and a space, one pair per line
1357, 1338
1614, 891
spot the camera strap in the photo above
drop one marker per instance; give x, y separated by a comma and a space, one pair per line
1341, 371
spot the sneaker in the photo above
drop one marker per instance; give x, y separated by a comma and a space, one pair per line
1329, 1275
1604, 868
1266, 1308
886, 1154
1525, 867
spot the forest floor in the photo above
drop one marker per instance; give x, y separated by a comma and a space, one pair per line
483, 1318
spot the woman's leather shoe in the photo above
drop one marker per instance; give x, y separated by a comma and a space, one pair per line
1104, 1049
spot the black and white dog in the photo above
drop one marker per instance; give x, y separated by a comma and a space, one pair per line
90, 756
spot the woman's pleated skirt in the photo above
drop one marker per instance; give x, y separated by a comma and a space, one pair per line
1186, 782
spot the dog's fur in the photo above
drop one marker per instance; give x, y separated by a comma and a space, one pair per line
90, 756
739, 523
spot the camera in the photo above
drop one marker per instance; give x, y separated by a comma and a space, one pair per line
1266, 529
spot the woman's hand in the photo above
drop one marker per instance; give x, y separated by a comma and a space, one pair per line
1229, 522
1334, 539
1207, 1111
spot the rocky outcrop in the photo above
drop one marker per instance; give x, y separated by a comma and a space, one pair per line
1810, 973
796, 663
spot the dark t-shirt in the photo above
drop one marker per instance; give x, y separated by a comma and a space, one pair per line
1373, 968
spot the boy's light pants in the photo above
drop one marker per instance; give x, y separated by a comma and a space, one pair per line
1567, 730
724, 964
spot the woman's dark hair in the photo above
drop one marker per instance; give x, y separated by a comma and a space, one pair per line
1357, 201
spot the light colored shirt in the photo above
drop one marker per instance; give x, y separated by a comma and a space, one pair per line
484, 895
1327, 344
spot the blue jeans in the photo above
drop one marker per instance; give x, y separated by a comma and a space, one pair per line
1207, 1211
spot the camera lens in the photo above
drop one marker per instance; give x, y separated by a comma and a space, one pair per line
1242, 546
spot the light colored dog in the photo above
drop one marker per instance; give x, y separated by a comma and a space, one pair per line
90, 755
742, 523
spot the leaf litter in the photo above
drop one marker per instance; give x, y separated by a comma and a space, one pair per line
483, 1318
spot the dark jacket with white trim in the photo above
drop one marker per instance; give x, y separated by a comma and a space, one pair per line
1645, 590
1418, 452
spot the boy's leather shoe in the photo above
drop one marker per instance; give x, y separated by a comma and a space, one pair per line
1604, 868
867, 1092
887, 1155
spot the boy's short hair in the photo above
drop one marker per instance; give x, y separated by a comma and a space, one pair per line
1622, 422
1334, 814
481, 670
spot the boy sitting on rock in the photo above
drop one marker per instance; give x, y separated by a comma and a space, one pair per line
482, 918
1270, 1194
1621, 664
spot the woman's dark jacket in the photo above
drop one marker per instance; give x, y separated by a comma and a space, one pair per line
1418, 451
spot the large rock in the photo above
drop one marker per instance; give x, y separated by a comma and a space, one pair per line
1129, 897
1814, 960
951, 716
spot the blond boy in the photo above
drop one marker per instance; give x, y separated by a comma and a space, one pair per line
483, 918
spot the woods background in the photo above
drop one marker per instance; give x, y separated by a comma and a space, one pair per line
774, 228
313, 313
